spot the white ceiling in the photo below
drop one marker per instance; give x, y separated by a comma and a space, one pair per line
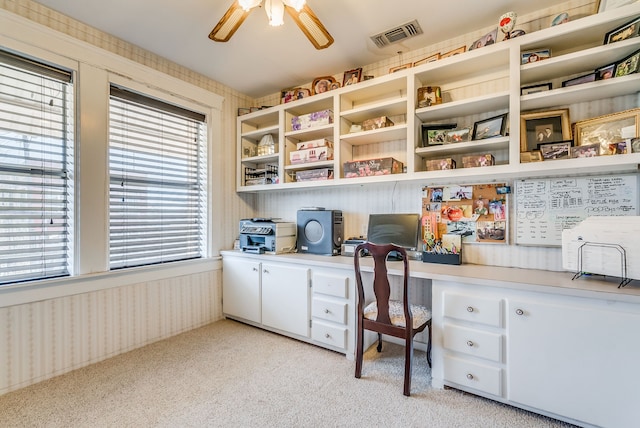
260, 60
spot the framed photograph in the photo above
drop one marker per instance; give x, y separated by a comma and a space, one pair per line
611, 128
486, 40
457, 135
544, 127
428, 59
489, 128
334, 85
429, 95
453, 52
435, 133
588, 151
322, 84
604, 5
605, 72
352, 76
634, 144
532, 89
535, 56
400, 67
629, 65
559, 150
591, 77
627, 31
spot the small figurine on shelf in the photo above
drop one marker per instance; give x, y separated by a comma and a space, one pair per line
507, 22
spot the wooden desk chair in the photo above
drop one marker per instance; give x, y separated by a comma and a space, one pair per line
384, 316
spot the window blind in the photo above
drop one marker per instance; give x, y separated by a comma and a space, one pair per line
157, 192
36, 157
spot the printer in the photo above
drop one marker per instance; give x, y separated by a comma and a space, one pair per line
264, 235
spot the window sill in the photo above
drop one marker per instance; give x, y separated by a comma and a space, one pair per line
35, 291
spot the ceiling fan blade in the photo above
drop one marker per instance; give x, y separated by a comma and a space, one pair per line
229, 23
311, 26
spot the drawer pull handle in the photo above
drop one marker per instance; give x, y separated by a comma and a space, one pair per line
469, 343
469, 376
327, 336
265, 271
255, 269
327, 311
519, 312
469, 309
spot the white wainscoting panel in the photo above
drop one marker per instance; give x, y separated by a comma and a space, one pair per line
44, 339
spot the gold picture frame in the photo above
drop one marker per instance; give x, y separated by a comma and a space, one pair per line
428, 59
607, 129
400, 67
543, 127
453, 52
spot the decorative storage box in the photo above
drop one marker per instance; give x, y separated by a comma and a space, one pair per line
314, 174
321, 142
376, 122
311, 120
314, 154
365, 168
477, 160
436, 164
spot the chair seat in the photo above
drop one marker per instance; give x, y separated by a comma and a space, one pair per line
419, 313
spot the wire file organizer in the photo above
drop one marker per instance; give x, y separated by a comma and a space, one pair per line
622, 260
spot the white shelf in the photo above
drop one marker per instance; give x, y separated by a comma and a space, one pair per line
480, 104
482, 82
390, 133
465, 147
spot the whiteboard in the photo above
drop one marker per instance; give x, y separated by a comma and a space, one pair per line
544, 207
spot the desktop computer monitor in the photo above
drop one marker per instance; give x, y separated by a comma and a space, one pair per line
399, 229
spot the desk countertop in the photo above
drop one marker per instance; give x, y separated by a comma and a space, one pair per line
492, 276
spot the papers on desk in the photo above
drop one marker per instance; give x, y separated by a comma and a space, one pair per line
603, 245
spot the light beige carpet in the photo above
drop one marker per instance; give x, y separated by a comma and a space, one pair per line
228, 374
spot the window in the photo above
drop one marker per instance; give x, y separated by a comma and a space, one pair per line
157, 192
36, 155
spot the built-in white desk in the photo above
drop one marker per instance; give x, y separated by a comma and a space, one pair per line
534, 339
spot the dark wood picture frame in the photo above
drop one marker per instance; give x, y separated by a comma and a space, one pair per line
491, 127
351, 77
627, 31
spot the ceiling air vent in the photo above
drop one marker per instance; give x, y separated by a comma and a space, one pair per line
397, 34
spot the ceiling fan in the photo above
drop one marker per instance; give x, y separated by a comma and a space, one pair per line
298, 9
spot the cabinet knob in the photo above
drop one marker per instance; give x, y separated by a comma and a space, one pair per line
519, 311
255, 269
469, 343
469, 309
327, 336
265, 271
327, 311
469, 376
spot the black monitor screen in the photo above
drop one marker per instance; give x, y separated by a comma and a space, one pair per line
400, 229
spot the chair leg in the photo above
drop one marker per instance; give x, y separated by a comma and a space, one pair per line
359, 351
379, 347
408, 360
429, 344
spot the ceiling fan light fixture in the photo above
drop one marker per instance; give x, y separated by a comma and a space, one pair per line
249, 4
296, 4
275, 12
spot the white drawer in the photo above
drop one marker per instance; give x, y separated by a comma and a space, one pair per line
473, 308
331, 335
472, 375
469, 341
329, 310
333, 285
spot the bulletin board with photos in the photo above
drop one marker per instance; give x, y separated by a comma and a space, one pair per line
478, 213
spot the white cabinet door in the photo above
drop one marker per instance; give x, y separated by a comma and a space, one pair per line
241, 288
285, 298
576, 358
